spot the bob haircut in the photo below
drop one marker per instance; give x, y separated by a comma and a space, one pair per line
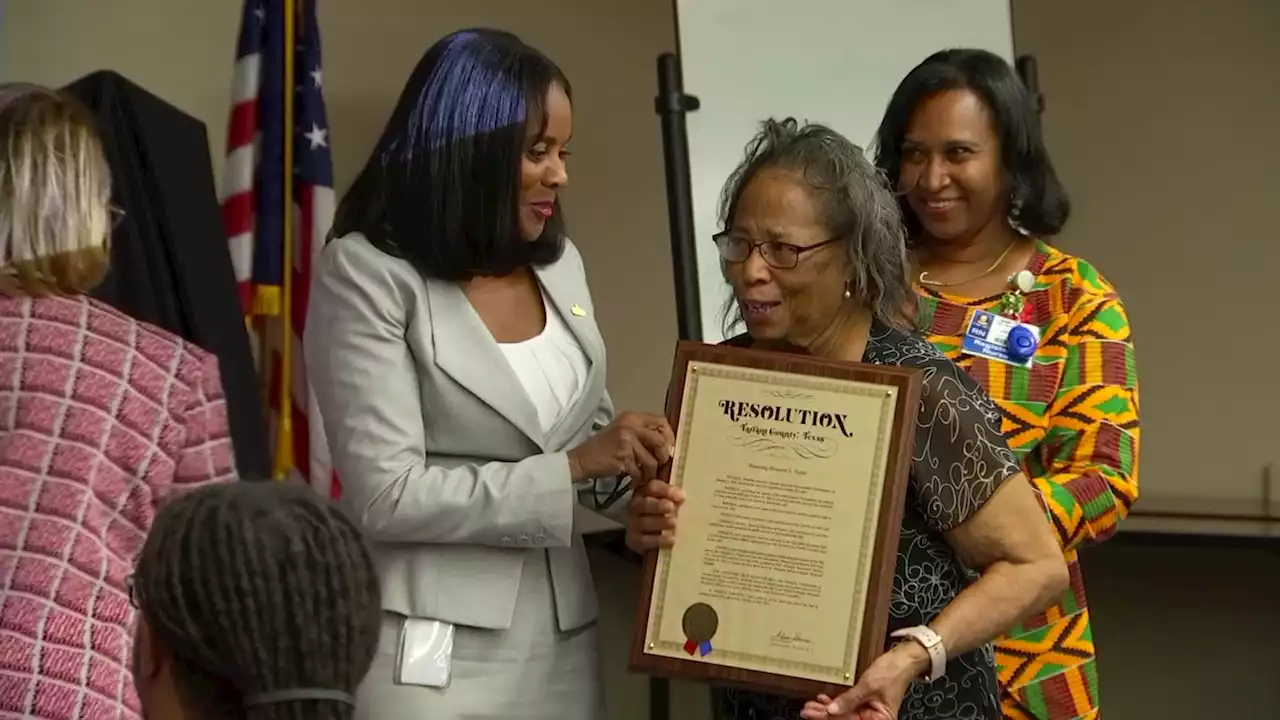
858, 205
1038, 202
442, 187
55, 195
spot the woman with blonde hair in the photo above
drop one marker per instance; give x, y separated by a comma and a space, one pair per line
101, 417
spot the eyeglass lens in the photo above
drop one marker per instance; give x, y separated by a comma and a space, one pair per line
738, 249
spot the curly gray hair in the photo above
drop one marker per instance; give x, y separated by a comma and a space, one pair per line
857, 201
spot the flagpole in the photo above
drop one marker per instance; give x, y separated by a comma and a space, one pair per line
284, 434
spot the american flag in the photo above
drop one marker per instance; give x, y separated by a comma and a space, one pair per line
253, 211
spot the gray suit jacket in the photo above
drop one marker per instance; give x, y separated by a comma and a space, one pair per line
438, 448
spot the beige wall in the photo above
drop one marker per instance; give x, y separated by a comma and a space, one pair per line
1162, 117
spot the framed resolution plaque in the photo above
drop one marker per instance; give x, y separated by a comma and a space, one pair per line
795, 472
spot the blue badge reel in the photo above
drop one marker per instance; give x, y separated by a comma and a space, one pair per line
1000, 338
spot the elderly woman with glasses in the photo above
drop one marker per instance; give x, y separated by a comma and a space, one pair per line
814, 250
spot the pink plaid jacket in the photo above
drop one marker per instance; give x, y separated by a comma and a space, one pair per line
100, 417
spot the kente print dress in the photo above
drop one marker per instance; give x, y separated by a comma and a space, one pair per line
958, 461
1072, 420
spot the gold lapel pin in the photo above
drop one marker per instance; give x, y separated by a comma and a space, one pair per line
577, 310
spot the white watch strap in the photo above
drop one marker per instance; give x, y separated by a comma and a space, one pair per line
932, 643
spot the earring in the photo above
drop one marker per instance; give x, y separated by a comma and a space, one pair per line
848, 290
1015, 214
1015, 206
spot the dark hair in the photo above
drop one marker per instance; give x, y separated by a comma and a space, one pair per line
1038, 201
255, 587
441, 188
857, 203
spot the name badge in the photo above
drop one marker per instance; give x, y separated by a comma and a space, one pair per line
1002, 339
426, 653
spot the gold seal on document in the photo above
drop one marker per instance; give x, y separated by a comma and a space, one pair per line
700, 622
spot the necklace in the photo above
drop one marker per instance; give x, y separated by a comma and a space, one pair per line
984, 273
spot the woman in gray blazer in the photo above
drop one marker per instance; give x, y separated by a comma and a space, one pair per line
461, 377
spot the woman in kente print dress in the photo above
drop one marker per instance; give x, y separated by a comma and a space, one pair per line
960, 141
814, 250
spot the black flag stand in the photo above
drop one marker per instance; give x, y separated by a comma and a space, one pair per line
671, 104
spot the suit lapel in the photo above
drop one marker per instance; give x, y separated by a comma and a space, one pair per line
568, 296
466, 351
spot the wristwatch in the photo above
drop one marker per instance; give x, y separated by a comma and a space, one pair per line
932, 643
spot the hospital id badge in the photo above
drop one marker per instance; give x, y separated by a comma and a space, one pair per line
987, 336
426, 653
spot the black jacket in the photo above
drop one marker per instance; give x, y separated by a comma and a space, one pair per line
169, 261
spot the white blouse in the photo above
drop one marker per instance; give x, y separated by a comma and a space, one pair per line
551, 367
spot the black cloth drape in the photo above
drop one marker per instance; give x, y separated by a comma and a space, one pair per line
169, 261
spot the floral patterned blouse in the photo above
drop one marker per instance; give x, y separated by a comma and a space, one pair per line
959, 459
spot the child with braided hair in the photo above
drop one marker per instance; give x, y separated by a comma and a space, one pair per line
256, 601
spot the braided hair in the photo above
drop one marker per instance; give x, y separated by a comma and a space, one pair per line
256, 588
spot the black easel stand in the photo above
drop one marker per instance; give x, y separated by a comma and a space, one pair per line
1028, 71
671, 104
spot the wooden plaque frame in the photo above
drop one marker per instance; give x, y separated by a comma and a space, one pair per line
879, 584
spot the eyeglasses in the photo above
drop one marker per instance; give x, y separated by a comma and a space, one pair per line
778, 254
